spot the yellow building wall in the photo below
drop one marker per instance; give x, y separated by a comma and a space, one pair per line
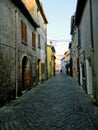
39, 69
50, 61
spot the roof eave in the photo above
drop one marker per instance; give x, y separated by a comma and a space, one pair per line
26, 13
42, 11
79, 11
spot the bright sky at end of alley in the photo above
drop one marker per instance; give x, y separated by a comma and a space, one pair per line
59, 15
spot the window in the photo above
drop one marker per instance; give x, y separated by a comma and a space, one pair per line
23, 32
39, 40
33, 40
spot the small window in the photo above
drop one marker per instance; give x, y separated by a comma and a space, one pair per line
39, 40
23, 32
33, 40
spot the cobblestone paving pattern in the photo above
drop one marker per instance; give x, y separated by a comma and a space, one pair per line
57, 104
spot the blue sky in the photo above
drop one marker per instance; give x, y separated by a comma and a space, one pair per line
58, 13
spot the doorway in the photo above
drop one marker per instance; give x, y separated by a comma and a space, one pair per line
25, 73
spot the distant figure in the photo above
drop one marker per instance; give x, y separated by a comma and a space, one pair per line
61, 71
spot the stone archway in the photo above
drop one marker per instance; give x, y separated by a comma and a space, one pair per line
25, 73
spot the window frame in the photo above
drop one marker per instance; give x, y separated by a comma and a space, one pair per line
33, 40
23, 32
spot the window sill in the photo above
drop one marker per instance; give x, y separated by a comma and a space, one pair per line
33, 48
25, 43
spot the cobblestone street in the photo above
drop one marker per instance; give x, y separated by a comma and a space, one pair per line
57, 104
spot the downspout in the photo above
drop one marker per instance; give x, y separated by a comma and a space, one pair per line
92, 55
16, 57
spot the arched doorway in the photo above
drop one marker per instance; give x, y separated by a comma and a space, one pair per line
25, 73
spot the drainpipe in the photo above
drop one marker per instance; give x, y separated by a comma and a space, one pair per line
16, 57
92, 54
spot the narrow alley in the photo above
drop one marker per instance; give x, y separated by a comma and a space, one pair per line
57, 104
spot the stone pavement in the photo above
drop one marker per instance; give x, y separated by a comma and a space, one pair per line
57, 104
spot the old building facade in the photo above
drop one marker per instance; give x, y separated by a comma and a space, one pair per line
67, 62
84, 31
63, 68
18, 46
50, 61
41, 43
35, 8
74, 48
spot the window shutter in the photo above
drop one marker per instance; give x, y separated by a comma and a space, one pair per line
33, 40
23, 32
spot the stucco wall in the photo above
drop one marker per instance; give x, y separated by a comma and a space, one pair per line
85, 31
63, 65
10, 36
85, 51
75, 53
7, 47
95, 34
41, 51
